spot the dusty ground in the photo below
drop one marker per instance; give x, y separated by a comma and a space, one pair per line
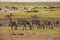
36, 34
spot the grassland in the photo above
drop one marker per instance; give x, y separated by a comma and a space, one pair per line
42, 14
36, 34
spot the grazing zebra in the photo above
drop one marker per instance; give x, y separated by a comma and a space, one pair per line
57, 23
43, 24
13, 24
49, 24
39, 23
25, 23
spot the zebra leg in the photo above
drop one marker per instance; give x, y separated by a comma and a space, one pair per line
30, 27
11, 27
15, 27
43, 26
24, 28
52, 27
39, 26
47, 26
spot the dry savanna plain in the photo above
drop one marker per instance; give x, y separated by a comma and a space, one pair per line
44, 11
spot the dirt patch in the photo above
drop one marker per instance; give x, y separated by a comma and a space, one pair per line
41, 34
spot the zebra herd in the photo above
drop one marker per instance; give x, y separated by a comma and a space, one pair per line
39, 24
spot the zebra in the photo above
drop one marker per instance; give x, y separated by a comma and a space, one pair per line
49, 24
39, 24
13, 25
25, 23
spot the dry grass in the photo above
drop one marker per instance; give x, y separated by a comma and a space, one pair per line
36, 34
43, 12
